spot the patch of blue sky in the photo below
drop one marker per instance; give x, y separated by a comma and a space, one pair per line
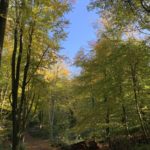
80, 31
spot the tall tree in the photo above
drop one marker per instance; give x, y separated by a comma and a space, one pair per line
125, 15
33, 23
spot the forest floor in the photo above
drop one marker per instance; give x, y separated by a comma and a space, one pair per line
33, 143
37, 143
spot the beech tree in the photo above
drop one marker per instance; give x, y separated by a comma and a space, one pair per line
116, 73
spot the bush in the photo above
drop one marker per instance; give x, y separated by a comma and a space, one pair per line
142, 147
1, 147
39, 132
22, 146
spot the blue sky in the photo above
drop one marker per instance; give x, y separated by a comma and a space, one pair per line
80, 31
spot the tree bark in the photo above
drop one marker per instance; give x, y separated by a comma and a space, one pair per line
107, 120
124, 120
3, 16
14, 92
18, 104
52, 116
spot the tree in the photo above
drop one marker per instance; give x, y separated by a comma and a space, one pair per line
107, 69
125, 15
31, 21
55, 114
3, 16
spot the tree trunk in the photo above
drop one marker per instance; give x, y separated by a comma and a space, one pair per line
135, 91
107, 119
14, 94
3, 15
18, 104
107, 122
124, 120
52, 116
124, 113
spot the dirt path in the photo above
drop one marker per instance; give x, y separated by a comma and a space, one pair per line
37, 143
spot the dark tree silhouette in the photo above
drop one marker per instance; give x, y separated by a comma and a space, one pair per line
3, 15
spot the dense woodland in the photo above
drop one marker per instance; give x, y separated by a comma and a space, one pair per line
105, 106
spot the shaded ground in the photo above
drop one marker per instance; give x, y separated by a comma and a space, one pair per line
33, 143
119, 143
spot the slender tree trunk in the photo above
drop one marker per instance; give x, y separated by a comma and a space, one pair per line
41, 119
52, 103
52, 117
3, 15
107, 122
107, 119
124, 120
135, 91
14, 93
124, 113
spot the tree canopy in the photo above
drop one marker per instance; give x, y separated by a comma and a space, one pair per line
105, 106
